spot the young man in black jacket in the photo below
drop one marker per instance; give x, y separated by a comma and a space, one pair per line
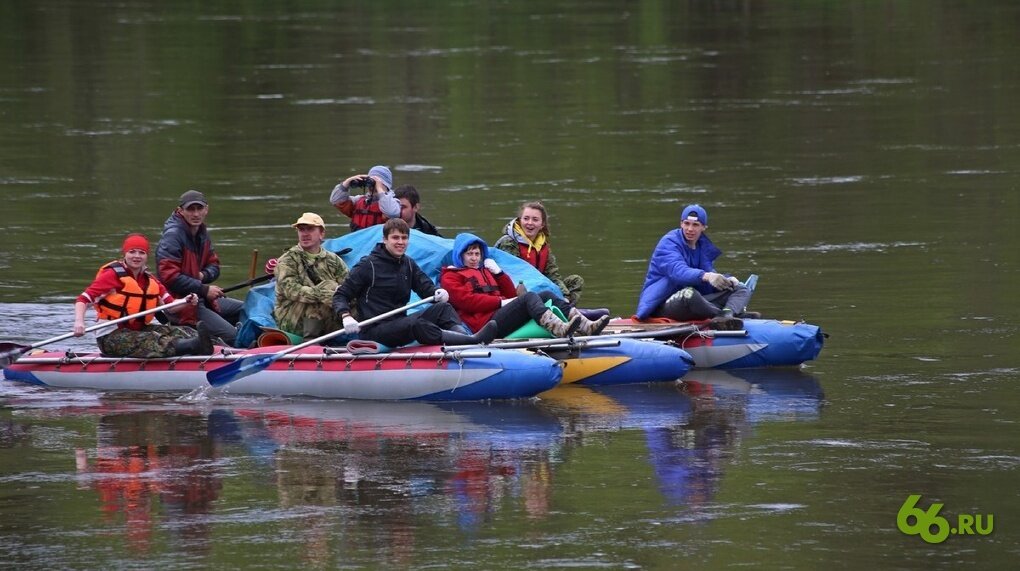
383, 281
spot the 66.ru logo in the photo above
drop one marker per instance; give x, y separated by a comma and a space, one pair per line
934, 528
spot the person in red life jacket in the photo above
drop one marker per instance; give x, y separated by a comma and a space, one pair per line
124, 287
481, 291
383, 281
410, 203
527, 237
187, 263
375, 206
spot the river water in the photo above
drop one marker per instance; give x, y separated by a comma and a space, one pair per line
861, 157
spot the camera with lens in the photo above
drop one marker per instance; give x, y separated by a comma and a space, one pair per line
366, 182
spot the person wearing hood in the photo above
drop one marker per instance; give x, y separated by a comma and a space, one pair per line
376, 205
124, 287
187, 263
527, 237
682, 283
383, 281
481, 291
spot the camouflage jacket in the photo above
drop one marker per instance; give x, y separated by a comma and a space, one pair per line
301, 293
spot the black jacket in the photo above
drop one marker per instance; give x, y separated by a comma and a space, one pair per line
423, 225
379, 283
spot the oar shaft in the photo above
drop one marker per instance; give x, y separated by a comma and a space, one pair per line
109, 323
246, 283
254, 363
377, 318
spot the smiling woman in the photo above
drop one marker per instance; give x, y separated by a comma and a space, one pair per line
527, 237
125, 287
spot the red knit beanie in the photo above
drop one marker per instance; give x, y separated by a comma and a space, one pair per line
133, 242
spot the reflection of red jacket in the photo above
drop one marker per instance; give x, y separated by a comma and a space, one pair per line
476, 293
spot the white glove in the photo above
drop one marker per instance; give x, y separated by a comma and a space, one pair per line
734, 282
503, 302
718, 281
442, 296
492, 266
351, 325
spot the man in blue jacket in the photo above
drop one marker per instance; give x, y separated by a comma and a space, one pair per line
682, 283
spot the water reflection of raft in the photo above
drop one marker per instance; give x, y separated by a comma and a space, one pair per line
417, 373
762, 343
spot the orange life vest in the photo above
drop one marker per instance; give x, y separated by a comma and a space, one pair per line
129, 298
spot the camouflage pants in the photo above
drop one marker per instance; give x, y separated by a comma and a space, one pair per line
151, 342
575, 284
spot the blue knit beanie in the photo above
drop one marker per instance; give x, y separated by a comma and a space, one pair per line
384, 175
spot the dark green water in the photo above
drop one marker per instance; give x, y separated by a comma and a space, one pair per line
861, 157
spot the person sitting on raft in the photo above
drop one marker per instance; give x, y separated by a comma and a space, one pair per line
382, 281
682, 283
124, 287
527, 237
481, 291
307, 276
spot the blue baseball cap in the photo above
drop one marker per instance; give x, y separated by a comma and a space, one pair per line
695, 211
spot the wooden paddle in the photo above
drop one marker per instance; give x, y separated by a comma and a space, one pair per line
9, 352
254, 363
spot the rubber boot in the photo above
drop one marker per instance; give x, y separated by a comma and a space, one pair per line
201, 345
187, 346
559, 328
484, 335
589, 327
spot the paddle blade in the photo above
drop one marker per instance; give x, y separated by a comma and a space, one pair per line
9, 352
239, 369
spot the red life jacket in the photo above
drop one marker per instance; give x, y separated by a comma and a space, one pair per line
475, 293
366, 214
537, 258
129, 298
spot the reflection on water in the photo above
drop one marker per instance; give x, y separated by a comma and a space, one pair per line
145, 460
376, 478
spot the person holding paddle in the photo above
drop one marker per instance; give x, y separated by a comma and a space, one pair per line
125, 287
481, 291
682, 283
307, 276
382, 281
187, 263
